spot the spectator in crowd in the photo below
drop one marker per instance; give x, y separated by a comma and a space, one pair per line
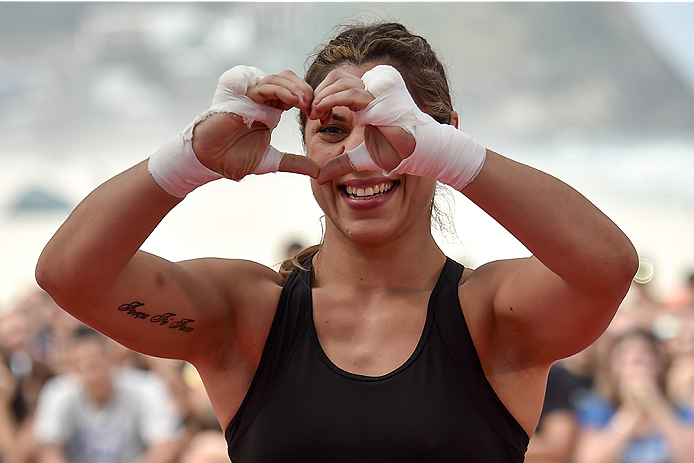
635, 421
103, 414
640, 308
16, 336
293, 249
188, 392
22, 374
680, 376
556, 435
10, 451
681, 298
206, 447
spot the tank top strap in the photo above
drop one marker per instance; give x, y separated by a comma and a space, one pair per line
288, 324
454, 332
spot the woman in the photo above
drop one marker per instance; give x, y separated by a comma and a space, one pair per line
635, 421
377, 348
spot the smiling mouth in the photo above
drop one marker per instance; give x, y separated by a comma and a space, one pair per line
370, 192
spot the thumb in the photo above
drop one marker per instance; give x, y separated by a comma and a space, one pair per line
390, 145
298, 164
335, 167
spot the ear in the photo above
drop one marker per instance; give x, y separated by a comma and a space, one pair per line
454, 119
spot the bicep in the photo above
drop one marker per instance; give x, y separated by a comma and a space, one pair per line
165, 309
544, 316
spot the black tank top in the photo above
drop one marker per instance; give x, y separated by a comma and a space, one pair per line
437, 407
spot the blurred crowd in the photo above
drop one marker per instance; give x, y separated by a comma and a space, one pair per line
629, 397
68, 394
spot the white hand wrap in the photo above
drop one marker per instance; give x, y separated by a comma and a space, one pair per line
441, 151
174, 165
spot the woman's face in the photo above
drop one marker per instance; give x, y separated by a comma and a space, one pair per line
366, 207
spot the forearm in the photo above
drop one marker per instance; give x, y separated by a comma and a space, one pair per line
600, 446
8, 453
162, 452
564, 230
51, 453
90, 250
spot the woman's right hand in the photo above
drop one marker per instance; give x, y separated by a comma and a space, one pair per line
234, 135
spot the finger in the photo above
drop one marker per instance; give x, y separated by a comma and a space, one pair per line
343, 83
297, 86
297, 93
352, 98
274, 95
299, 165
330, 79
296, 80
339, 88
335, 167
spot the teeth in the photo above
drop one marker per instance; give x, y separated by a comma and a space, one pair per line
368, 191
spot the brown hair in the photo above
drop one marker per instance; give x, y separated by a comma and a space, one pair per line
411, 55
391, 43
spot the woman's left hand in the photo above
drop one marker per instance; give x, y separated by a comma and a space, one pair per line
386, 145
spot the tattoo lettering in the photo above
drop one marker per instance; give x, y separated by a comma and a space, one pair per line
131, 309
162, 319
182, 325
165, 319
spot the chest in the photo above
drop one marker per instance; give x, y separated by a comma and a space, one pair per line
312, 399
369, 337
317, 412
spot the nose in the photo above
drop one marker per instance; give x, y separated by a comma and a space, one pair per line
354, 139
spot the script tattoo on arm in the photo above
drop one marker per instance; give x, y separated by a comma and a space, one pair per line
168, 319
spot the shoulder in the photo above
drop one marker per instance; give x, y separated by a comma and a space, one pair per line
249, 293
230, 270
491, 274
239, 283
478, 289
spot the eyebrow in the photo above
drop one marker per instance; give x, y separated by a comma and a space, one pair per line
338, 118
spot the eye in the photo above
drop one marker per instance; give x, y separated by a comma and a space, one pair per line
333, 132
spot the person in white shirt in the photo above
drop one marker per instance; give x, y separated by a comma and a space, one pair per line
104, 414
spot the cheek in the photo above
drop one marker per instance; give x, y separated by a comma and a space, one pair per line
321, 153
426, 191
319, 191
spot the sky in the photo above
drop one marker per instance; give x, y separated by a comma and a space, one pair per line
671, 32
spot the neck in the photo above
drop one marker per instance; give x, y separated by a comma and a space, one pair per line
411, 264
100, 393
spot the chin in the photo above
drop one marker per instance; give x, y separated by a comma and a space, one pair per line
371, 235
